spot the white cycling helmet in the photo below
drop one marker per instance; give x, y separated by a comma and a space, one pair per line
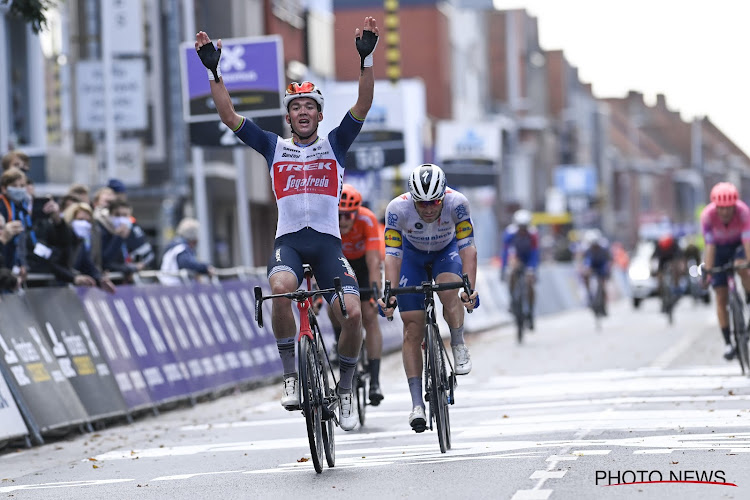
522, 217
592, 236
305, 89
427, 183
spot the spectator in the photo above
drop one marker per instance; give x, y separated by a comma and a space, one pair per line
119, 189
81, 192
102, 198
14, 207
114, 233
180, 253
68, 200
8, 281
16, 159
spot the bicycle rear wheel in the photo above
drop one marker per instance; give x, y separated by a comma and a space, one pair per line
738, 331
517, 306
361, 381
438, 396
309, 375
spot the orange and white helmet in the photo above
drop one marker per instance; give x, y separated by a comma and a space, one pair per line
305, 89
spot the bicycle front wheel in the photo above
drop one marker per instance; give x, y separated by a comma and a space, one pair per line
438, 396
312, 403
738, 331
517, 306
328, 394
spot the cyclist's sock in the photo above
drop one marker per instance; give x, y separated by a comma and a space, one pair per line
286, 351
415, 388
725, 334
457, 336
347, 367
373, 366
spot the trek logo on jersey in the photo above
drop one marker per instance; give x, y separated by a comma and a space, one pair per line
464, 230
392, 238
320, 177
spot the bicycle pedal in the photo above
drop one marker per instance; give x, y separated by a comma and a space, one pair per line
328, 414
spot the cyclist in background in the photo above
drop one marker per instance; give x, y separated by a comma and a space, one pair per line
521, 254
307, 173
360, 241
596, 260
429, 224
668, 254
726, 230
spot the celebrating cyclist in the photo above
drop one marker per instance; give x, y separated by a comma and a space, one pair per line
521, 255
429, 224
307, 173
596, 261
360, 241
726, 230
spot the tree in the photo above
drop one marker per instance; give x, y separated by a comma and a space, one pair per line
31, 11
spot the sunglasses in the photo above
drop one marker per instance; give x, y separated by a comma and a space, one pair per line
300, 88
428, 204
347, 215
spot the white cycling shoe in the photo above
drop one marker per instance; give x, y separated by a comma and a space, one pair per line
417, 419
289, 394
461, 359
348, 416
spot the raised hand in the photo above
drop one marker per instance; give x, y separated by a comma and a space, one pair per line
367, 42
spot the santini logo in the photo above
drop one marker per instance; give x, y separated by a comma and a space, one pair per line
620, 478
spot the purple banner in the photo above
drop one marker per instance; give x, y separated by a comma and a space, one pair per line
251, 70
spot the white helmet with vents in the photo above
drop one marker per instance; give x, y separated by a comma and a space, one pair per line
427, 183
522, 217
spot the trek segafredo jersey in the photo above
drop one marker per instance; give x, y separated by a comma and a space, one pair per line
306, 180
404, 229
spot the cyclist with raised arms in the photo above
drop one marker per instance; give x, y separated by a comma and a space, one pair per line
307, 173
429, 224
726, 230
521, 253
360, 241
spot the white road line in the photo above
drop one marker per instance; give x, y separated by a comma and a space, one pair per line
652, 452
677, 349
65, 484
531, 495
585, 453
547, 474
558, 458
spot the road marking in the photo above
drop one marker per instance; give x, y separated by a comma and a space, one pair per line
64, 484
677, 349
558, 458
652, 452
583, 453
547, 474
531, 495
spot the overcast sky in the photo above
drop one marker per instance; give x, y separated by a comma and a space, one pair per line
694, 52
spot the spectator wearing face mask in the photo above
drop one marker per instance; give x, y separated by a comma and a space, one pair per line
14, 207
83, 272
115, 232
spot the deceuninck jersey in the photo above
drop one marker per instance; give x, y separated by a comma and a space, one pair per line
306, 180
404, 229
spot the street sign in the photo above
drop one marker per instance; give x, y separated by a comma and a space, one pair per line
252, 70
128, 94
376, 149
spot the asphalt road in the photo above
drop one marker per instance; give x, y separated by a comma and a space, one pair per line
573, 413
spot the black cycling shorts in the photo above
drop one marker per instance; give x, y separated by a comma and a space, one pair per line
321, 251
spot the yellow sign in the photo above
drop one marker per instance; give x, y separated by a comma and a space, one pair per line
544, 218
464, 230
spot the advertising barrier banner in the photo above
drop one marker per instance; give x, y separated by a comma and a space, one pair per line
11, 423
40, 380
64, 326
118, 350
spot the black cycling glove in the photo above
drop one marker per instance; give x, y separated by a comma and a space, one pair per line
210, 58
366, 46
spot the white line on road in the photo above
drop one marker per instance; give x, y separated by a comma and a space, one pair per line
531, 495
547, 474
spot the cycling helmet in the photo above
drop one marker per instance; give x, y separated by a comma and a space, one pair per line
350, 198
305, 89
592, 236
666, 242
427, 183
522, 217
724, 194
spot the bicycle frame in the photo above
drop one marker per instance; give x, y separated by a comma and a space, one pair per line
735, 306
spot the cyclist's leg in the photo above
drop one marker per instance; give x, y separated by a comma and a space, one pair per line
447, 267
284, 275
724, 253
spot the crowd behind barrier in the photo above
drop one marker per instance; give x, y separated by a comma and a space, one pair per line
78, 357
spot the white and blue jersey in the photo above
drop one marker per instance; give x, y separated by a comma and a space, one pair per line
522, 244
417, 242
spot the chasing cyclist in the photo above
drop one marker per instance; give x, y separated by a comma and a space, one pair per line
307, 173
360, 241
669, 256
521, 254
596, 260
726, 230
429, 224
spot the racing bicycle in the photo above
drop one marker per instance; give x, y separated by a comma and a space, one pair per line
439, 377
317, 381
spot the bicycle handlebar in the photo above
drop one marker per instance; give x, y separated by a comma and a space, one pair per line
729, 266
425, 287
298, 296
